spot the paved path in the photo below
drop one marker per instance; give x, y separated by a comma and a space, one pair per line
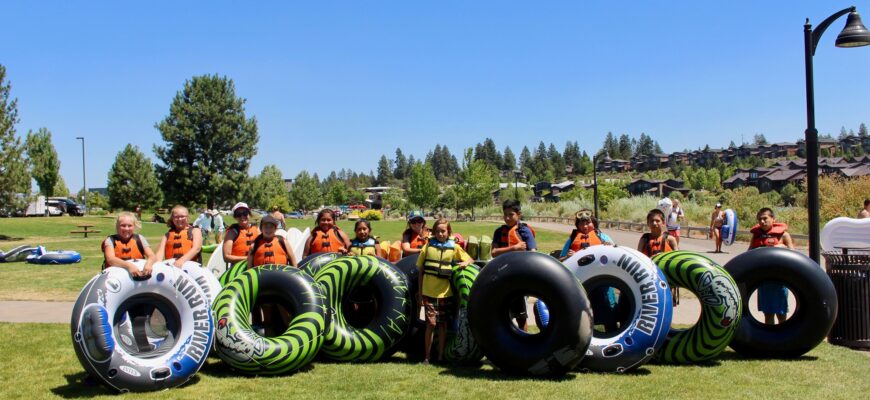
686, 313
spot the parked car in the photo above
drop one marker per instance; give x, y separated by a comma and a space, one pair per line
68, 206
294, 215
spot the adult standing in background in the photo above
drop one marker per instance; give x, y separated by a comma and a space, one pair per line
865, 213
279, 216
717, 219
209, 222
673, 221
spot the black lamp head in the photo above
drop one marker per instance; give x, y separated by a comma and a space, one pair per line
854, 34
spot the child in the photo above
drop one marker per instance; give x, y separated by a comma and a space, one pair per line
415, 235
364, 244
585, 234
435, 263
326, 237
183, 242
514, 236
658, 241
269, 248
127, 245
772, 297
240, 236
602, 299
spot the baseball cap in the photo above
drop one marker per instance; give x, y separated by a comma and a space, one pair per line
240, 205
718, 205
415, 215
269, 220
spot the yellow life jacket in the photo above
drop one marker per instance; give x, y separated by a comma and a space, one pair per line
367, 248
438, 259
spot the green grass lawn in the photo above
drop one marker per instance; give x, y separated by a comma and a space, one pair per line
22, 281
39, 362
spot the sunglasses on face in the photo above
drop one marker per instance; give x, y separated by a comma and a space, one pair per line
583, 214
417, 221
239, 214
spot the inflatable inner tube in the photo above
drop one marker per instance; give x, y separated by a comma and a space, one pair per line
19, 253
360, 305
41, 256
813, 316
314, 262
117, 338
209, 284
232, 272
556, 349
461, 348
644, 308
413, 343
720, 307
240, 346
729, 227
380, 336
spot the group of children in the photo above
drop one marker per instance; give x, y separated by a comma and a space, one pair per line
439, 253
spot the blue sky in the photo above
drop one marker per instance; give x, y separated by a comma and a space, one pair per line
336, 84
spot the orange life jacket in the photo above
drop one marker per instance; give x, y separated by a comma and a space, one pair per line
581, 241
271, 252
325, 242
770, 238
653, 247
131, 249
244, 239
414, 240
510, 236
179, 243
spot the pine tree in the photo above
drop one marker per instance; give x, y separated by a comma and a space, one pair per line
132, 181
862, 130
509, 161
624, 147
44, 164
526, 160
557, 163
14, 177
401, 169
384, 171
209, 143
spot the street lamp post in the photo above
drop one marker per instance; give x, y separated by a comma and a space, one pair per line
517, 174
595, 183
854, 34
84, 176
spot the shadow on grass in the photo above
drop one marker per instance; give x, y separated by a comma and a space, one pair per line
79, 385
216, 368
6, 238
737, 357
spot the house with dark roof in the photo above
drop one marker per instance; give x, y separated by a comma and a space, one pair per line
656, 187
779, 178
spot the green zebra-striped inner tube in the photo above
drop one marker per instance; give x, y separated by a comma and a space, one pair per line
245, 350
461, 348
720, 307
232, 272
379, 337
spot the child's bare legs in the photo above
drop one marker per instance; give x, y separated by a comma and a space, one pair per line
442, 339
429, 336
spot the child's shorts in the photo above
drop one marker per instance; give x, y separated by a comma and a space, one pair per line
518, 308
437, 310
772, 298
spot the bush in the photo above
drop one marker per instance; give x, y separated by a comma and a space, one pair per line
372, 215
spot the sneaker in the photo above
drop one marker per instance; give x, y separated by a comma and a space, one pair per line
426, 361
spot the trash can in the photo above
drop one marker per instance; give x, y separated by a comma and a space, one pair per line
849, 270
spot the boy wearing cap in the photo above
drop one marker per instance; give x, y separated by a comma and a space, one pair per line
269, 248
717, 219
240, 236
514, 236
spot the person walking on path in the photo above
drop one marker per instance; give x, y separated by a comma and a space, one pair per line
717, 219
673, 220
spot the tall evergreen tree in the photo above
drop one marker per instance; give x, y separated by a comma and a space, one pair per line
209, 143
862, 130
509, 160
44, 164
556, 161
624, 146
132, 181
384, 171
526, 160
759, 139
401, 169
13, 166
611, 145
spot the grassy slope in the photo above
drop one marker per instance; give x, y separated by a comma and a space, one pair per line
22, 281
827, 371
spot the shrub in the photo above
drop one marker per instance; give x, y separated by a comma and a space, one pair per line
372, 215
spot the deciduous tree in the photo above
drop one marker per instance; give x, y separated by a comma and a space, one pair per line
44, 164
13, 166
132, 181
